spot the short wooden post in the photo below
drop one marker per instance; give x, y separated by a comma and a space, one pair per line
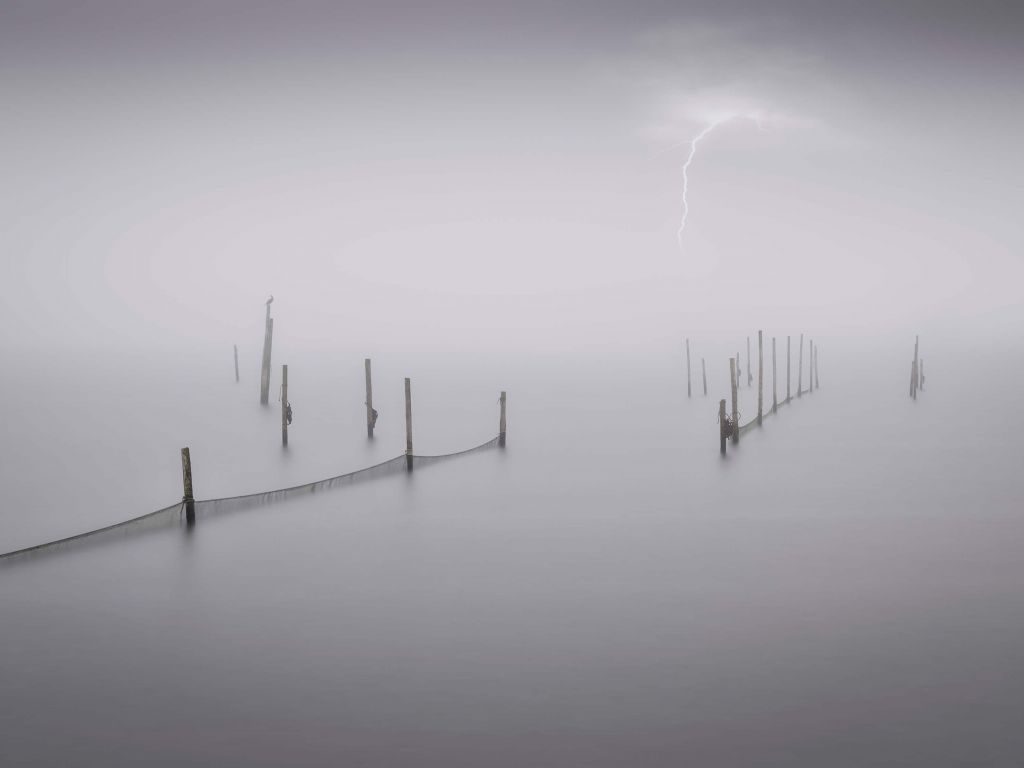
688, 368
268, 343
789, 367
734, 384
370, 420
704, 375
775, 381
408, 425
501, 422
760, 378
284, 405
800, 370
750, 375
186, 477
236, 363
721, 426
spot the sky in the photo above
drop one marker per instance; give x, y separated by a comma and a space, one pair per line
475, 175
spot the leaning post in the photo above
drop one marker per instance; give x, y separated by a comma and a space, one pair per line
186, 477
408, 425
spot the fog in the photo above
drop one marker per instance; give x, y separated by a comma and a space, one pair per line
487, 199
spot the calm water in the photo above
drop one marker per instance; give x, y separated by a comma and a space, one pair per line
843, 590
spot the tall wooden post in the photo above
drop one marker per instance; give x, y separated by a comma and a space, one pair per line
789, 368
370, 421
236, 363
775, 382
186, 477
721, 426
687, 367
501, 422
284, 405
408, 425
268, 343
760, 378
704, 375
750, 375
800, 370
735, 399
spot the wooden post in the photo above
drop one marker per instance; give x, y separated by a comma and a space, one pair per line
775, 381
501, 422
800, 370
186, 477
704, 375
687, 367
284, 405
789, 368
268, 343
236, 363
760, 378
408, 425
912, 378
370, 421
750, 375
721, 426
734, 384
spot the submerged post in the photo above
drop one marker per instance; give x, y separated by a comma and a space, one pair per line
775, 376
800, 370
688, 368
285, 407
760, 378
735, 400
721, 426
268, 342
789, 368
371, 415
501, 422
236, 363
704, 375
186, 477
750, 375
408, 425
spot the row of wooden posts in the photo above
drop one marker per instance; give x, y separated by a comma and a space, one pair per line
729, 424
916, 371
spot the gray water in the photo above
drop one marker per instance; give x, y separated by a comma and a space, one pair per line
844, 589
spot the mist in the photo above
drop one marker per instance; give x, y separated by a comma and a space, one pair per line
488, 199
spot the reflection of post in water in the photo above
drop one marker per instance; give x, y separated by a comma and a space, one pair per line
188, 499
408, 425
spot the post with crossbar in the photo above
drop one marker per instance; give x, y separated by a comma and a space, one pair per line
285, 408
760, 378
371, 415
186, 477
800, 370
408, 425
688, 392
721, 426
734, 384
501, 422
775, 377
704, 376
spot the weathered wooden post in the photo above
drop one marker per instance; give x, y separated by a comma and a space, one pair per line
704, 375
750, 375
800, 370
775, 385
268, 341
789, 367
687, 367
284, 405
721, 426
734, 384
370, 420
186, 477
408, 425
501, 422
760, 378
236, 363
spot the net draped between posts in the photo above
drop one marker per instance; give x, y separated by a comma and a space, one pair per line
174, 515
